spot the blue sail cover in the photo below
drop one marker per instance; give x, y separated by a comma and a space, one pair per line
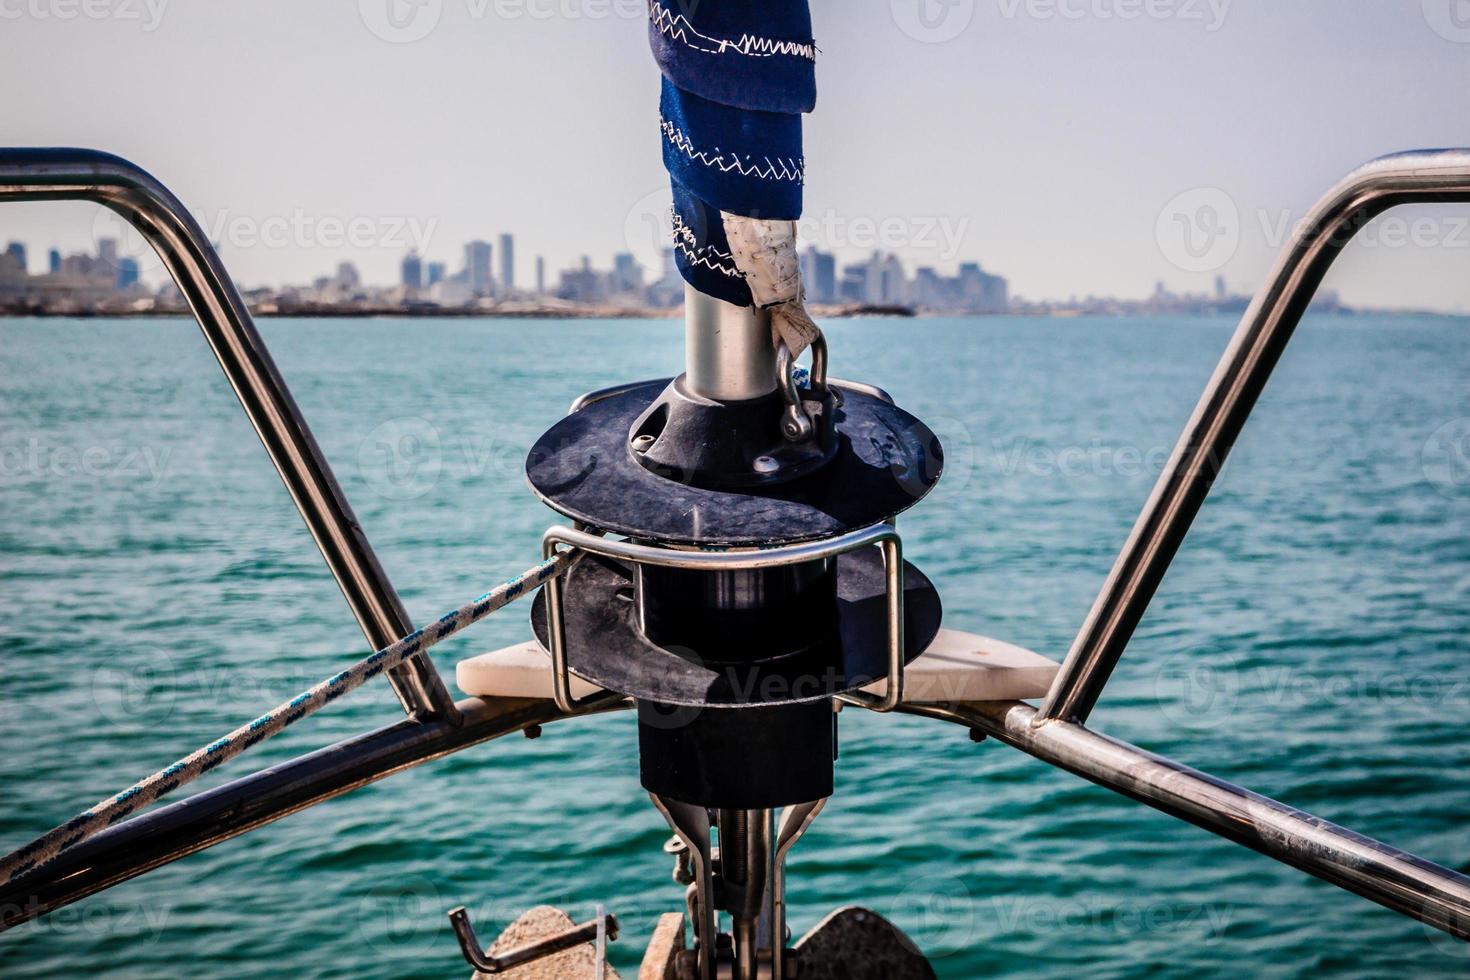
737, 76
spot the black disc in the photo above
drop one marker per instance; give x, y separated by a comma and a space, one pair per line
605, 647
886, 460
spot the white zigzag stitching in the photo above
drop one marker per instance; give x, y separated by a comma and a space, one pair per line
773, 170
678, 28
685, 241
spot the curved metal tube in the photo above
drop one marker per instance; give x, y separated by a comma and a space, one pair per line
1420, 177
605, 926
885, 536
88, 175
169, 833
1393, 878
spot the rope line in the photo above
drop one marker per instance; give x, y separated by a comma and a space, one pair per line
109, 811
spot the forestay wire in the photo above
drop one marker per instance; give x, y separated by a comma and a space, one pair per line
197, 763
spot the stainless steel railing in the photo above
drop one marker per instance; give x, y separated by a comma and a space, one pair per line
1055, 733
87, 175
1420, 177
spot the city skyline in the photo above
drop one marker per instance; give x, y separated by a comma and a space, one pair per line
1068, 173
108, 283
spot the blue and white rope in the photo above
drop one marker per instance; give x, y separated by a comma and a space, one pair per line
192, 766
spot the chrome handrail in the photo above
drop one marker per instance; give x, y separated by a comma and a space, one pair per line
1393, 878
1055, 734
1418, 177
149, 206
884, 536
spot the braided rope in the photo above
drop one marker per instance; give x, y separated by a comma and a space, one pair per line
197, 763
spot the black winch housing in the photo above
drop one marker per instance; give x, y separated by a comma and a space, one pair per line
734, 671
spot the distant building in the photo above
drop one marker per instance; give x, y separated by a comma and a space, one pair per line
1220, 290
627, 276
435, 274
127, 273
819, 276
413, 272
477, 268
583, 284
507, 263
540, 276
53, 261
981, 292
347, 278
668, 291
107, 253
16, 253
853, 287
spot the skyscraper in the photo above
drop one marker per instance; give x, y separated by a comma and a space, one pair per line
17, 253
627, 274
53, 261
413, 271
435, 274
507, 263
819, 275
477, 267
347, 276
540, 276
127, 273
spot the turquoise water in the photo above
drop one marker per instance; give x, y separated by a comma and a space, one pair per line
156, 588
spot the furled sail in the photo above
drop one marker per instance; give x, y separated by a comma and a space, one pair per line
737, 75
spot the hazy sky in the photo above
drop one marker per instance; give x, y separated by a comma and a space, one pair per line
1067, 144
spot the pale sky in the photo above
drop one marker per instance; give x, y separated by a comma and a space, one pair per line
1050, 140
